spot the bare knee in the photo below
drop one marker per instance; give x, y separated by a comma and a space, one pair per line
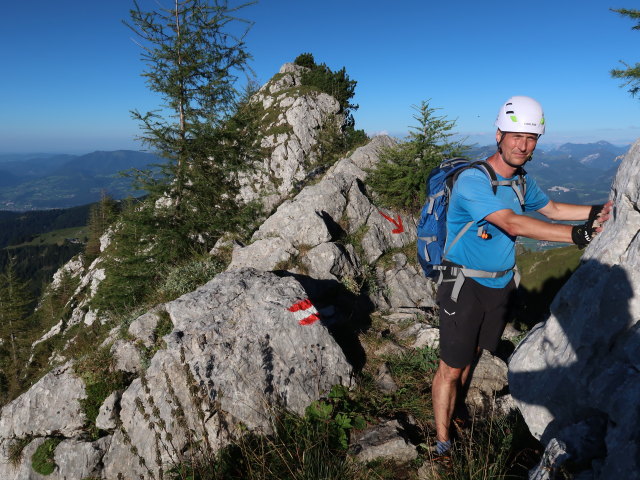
448, 374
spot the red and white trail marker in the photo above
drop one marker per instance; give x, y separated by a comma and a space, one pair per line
304, 312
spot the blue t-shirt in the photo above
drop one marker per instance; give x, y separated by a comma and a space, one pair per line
472, 198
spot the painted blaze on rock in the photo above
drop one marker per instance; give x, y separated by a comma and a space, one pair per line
249, 340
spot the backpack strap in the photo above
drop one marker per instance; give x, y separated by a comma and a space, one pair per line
462, 231
519, 185
461, 273
432, 200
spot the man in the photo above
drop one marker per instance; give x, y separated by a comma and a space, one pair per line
476, 319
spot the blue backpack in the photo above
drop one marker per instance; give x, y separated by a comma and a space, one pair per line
432, 225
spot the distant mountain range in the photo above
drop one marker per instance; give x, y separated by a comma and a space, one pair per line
41, 181
572, 173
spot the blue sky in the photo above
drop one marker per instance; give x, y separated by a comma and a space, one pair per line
71, 72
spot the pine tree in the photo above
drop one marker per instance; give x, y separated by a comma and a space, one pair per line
630, 74
400, 177
193, 62
101, 215
206, 130
15, 305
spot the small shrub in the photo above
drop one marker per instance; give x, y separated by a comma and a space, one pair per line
42, 459
187, 277
164, 325
16, 447
100, 381
305, 60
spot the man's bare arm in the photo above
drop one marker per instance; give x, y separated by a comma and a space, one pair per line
567, 211
521, 225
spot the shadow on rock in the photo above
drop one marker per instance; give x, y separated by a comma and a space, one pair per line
343, 312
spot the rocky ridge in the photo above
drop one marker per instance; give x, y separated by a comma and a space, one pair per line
293, 120
273, 330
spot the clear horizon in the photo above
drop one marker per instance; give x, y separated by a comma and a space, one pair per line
541, 146
74, 73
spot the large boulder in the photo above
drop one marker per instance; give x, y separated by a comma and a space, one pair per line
576, 376
243, 345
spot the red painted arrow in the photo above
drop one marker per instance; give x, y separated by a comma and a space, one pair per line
398, 223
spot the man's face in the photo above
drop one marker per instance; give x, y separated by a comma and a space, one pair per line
517, 147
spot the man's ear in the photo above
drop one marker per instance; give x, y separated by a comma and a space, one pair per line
499, 136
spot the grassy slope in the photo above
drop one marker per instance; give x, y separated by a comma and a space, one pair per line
56, 237
543, 274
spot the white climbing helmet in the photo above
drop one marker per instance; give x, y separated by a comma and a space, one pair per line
521, 114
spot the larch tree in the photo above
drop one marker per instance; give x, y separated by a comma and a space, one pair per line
400, 177
205, 128
194, 54
15, 301
631, 73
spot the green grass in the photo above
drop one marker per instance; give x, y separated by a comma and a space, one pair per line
15, 449
538, 268
543, 275
42, 459
100, 379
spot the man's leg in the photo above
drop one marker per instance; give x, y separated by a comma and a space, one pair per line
444, 390
459, 325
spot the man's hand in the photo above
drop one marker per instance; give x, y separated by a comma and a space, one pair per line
598, 215
582, 235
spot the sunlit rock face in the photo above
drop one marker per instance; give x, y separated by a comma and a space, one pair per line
576, 376
293, 121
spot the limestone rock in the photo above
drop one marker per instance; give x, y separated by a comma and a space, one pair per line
427, 336
73, 268
74, 460
264, 254
239, 340
384, 441
50, 407
379, 237
582, 362
304, 234
367, 158
294, 120
143, 327
489, 378
384, 379
23, 470
555, 454
406, 286
78, 459
107, 418
331, 261
308, 219
126, 356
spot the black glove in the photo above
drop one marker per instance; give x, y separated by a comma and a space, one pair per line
593, 215
582, 235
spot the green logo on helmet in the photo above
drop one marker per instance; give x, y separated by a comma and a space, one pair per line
514, 118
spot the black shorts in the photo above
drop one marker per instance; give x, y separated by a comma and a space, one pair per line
476, 320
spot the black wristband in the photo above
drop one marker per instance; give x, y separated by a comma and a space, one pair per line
582, 235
